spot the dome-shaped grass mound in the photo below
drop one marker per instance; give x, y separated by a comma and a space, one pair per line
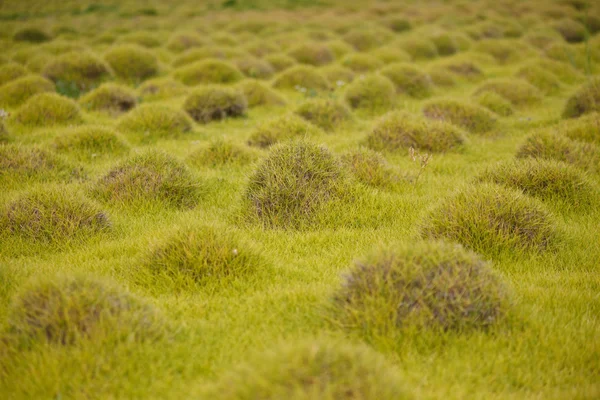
161, 89
572, 31
372, 93
132, 62
495, 103
517, 91
201, 54
575, 55
312, 370
565, 72
424, 285
490, 219
208, 71
280, 62
468, 116
585, 128
445, 44
391, 54
255, 68
109, 97
553, 146
585, 100
82, 70
154, 121
18, 91
365, 39
31, 35
258, 94
337, 75
191, 257
53, 215
312, 53
419, 48
47, 109
546, 180
285, 127
150, 177
184, 41
360, 62
19, 163
504, 51
293, 185
64, 310
409, 80
88, 142
327, 114
213, 103
544, 80
221, 152
399, 130
441, 77
11, 71
371, 168
303, 76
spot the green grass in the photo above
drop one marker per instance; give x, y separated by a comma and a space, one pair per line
231, 241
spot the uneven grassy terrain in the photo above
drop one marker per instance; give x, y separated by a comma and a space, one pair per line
300, 199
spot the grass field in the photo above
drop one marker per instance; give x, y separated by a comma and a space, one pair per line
297, 199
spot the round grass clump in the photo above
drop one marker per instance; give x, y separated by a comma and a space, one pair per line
47, 109
280, 62
255, 68
19, 163
142, 38
301, 76
565, 72
441, 77
572, 31
409, 80
463, 69
516, 91
391, 54
258, 94
312, 54
371, 168
585, 100
161, 89
360, 62
155, 121
64, 310
419, 48
490, 219
109, 97
194, 257
399, 130
310, 370
293, 185
89, 142
585, 128
222, 152
11, 71
504, 51
578, 56
31, 35
397, 24
424, 285
132, 62
544, 80
208, 71
546, 180
184, 41
149, 177
52, 215
337, 75
468, 116
371, 93
18, 91
366, 39
495, 103
445, 44
79, 71
339, 48
194, 55
553, 146
286, 127
213, 103
327, 114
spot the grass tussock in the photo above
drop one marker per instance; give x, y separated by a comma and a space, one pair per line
259, 94
11, 71
109, 97
161, 89
371, 168
153, 121
495, 103
279, 129
312, 54
90, 142
409, 80
466, 115
48, 109
328, 114
585, 100
31, 35
207, 72
214, 103
518, 92
19, 163
220, 152
18, 91
131, 62
360, 62
301, 76
371, 93
77, 72
255, 68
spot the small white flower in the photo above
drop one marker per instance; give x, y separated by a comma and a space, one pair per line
303, 90
340, 83
235, 252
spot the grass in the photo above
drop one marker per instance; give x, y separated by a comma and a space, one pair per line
521, 191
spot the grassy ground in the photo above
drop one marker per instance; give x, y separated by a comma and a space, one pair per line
548, 346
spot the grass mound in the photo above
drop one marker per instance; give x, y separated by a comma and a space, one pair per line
490, 219
208, 71
222, 152
324, 113
200, 256
11, 71
445, 44
301, 76
360, 62
201, 54
132, 62
585, 129
337, 75
312, 369
312, 54
18, 91
585, 100
161, 89
371, 168
280, 62
52, 216
289, 126
255, 68
544, 80
469, 116
258, 94
109, 97
495, 103
516, 91
21, 162
154, 121
77, 72
391, 54
150, 176
64, 310
553, 146
572, 31
31, 35
399, 130
442, 77
409, 80
47, 109
424, 285
213, 103
89, 142
419, 48
565, 72
545, 179
184, 41
364, 39
293, 184
504, 51
373, 93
